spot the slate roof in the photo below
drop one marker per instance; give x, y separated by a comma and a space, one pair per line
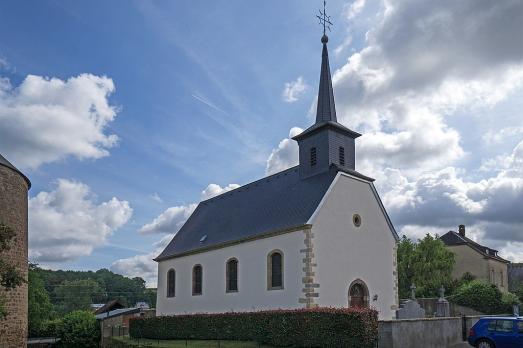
109, 306
275, 203
453, 238
4, 162
117, 312
325, 109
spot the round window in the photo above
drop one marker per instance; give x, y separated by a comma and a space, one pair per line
356, 219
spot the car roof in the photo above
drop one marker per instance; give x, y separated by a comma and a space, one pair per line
502, 318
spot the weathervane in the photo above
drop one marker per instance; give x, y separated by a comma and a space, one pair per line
324, 20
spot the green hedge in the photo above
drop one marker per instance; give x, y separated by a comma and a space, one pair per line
320, 327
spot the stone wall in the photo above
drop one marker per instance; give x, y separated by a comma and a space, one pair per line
13, 213
415, 333
426, 333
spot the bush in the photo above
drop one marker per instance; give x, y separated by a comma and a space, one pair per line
50, 328
480, 296
508, 300
321, 327
79, 329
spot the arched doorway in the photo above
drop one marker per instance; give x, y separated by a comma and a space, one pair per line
358, 294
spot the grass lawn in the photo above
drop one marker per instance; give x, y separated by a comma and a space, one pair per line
191, 343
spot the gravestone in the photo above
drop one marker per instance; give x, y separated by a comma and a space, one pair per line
442, 306
411, 308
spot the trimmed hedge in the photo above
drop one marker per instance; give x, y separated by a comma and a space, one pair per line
320, 327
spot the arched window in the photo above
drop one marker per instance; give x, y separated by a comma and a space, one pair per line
197, 278
171, 283
231, 276
358, 294
313, 156
341, 154
275, 270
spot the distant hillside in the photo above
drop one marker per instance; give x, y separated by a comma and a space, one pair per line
70, 290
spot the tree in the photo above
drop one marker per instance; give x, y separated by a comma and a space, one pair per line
10, 277
427, 264
78, 295
79, 329
40, 307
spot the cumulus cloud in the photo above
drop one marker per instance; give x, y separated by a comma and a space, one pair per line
285, 155
294, 90
67, 223
423, 61
439, 201
48, 119
214, 190
169, 221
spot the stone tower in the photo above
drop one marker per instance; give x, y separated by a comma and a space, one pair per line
13, 212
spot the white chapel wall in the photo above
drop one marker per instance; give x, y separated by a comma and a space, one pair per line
252, 278
344, 252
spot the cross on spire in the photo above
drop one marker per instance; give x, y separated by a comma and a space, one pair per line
324, 19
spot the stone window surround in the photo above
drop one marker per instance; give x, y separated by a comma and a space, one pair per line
227, 290
269, 270
194, 293
169, 295
365, 290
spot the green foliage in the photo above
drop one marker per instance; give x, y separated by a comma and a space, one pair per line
427, 264
50, 328
480, 296
40, 307
79, 329
322, 327
519, 292
10, 277
111, 286
508, 300
77, 295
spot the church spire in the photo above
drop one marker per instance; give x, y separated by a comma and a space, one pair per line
326, 143
326, 110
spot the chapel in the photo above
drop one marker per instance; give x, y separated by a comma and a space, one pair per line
314, 235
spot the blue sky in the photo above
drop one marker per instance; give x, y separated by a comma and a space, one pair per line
201, 93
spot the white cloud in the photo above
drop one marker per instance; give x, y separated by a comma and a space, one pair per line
439, 201
354, 8
48, 119
498, 136
213, 190
66, 223
170, 220
294, 90
138, 266
285, 155
156, 197
423, 61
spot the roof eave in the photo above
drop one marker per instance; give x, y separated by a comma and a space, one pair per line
334, 125
233, 242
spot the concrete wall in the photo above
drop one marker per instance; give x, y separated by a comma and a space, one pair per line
429, 305
417, 333
252, 278
13, 213
344, 253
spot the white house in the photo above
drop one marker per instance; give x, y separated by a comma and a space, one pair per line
313, 235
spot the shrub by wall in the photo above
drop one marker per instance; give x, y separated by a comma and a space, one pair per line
480, 296
320, 327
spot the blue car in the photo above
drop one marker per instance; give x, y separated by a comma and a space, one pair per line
497, 332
